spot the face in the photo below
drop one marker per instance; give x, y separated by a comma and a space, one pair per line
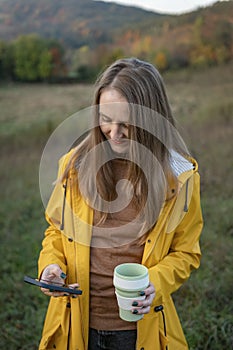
114, 119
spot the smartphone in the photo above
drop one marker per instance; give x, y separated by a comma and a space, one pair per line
52, 287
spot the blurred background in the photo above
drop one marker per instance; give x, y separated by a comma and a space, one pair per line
50, 54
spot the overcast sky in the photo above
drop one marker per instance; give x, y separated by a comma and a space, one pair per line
166, 6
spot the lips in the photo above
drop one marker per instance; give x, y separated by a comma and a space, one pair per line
117, 142
119, 145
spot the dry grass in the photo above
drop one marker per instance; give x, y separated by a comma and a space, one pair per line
202, 102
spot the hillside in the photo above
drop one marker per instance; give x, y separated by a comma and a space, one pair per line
201, 25
73, 22
87, 22
76, 38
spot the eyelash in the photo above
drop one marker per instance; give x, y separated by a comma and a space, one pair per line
109, 121
105, 119
126, 126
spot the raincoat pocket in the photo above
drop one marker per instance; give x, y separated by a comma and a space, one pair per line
57, 324
163, 341
150, 335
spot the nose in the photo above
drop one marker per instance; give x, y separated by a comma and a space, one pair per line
115, 131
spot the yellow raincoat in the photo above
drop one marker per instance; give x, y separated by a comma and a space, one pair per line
171, 252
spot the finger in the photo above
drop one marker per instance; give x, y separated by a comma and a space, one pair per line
53, 271
141, 310
74, 285
51, 293
143, 306
56, 272
139, 304
54, 293
146, 302
149, 290
144, 310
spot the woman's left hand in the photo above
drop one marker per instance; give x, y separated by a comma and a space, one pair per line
143, 306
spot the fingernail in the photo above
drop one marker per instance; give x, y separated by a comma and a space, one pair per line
135, 303
66, 294
135, 312
142, 293
74, 296
63, 275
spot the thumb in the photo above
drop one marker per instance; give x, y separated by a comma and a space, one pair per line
53, 271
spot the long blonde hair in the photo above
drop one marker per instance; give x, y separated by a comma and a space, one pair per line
152, 125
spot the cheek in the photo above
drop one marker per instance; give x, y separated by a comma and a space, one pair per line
104, 128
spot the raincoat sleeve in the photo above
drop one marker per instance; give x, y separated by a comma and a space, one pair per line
52, 246
184, 251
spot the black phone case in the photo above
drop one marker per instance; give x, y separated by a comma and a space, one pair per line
51, 287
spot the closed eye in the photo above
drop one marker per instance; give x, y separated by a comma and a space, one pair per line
104, 118
124, 125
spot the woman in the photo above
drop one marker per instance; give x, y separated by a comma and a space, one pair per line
128, 192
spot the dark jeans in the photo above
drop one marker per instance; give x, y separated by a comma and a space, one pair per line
112, 340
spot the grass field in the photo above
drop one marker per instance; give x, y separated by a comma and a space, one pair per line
202, 103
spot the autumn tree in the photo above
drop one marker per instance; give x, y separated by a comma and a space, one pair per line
37, 59
222, 40
57, 53
45, 65
6, 61
27, 52
161, 61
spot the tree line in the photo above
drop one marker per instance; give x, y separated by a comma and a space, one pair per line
31, 58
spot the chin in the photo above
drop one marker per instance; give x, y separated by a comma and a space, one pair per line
119, 149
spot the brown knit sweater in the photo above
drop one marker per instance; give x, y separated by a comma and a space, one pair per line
107, 251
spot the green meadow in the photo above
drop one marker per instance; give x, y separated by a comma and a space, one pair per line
202, 104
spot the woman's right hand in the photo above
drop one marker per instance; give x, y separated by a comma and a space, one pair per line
54, 274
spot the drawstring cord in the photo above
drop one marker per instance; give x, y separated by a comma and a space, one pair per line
160, 309
186, 197
63, 206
